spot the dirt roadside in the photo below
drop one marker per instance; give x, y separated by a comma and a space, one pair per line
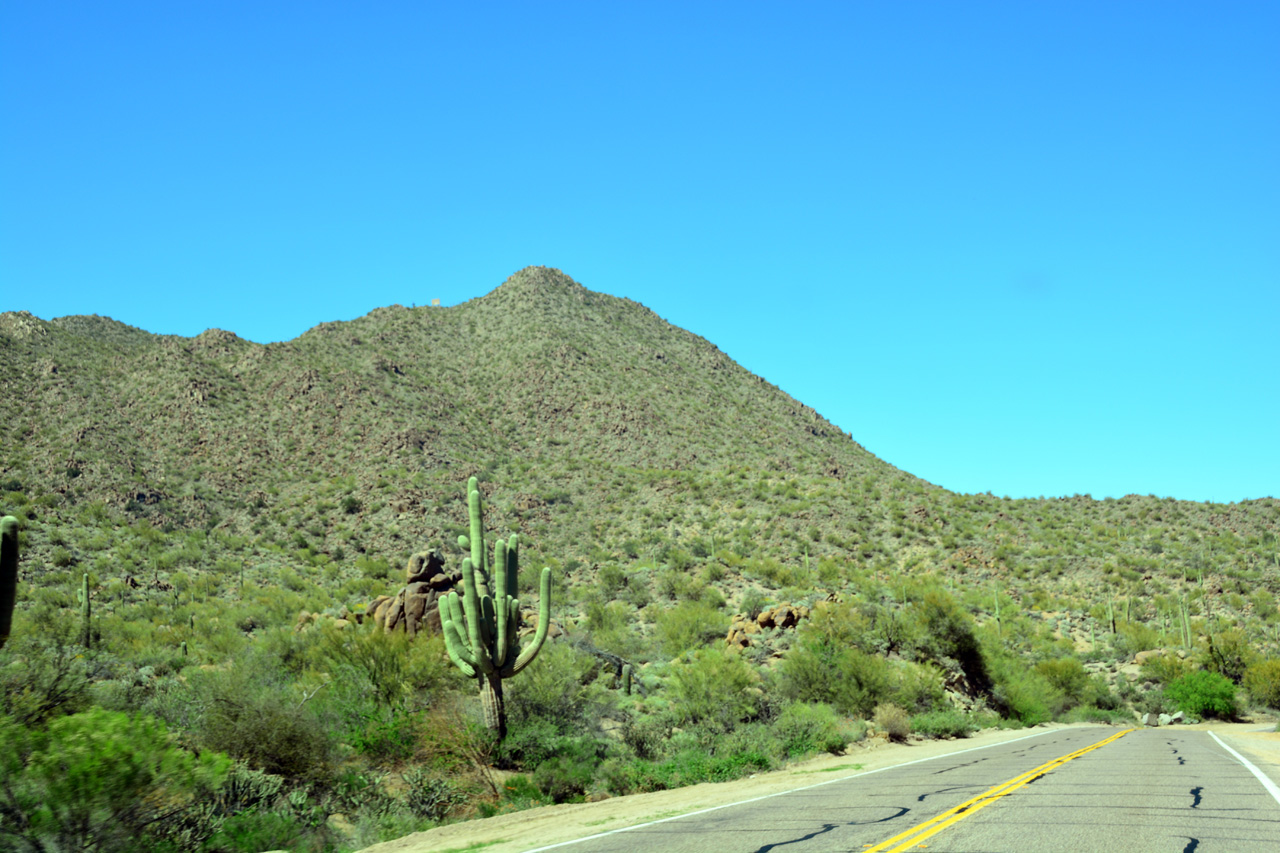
520, 831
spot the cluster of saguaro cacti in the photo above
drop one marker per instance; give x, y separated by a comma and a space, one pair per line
482, 628
8, 574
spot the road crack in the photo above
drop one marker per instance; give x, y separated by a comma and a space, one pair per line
828, 827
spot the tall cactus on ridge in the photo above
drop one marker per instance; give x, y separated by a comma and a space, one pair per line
481, 630
8, 574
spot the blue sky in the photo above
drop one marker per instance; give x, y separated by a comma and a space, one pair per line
1026, 248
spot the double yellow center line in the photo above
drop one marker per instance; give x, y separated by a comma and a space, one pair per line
910, 838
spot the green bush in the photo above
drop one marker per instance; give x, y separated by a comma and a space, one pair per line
1165, 668
46, 674
950, 723
818, 670
251, 712
916, 687
1134, 637
1023, 694
1068, 676
1262, 680
804, 728
564, 778
693, 766
1228, 654
893, 721
562, 689
690, 624
716, 688
946, 631
1204, 694
100, 780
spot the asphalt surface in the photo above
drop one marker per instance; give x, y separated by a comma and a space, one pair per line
1146, 790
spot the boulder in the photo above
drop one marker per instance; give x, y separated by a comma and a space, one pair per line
424, 567
1150, 720
1164, 719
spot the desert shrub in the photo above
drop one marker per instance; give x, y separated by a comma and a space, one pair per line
852, 681
99, 780
518, 792
251, 712
946, 631
804, 728
1134, 637
1228, 654
47, 674
646, 733
688, 625
916, 687
753, 602
566, 776
258, 830
1262, 680
1165, 668
715, 688
1067, 676
1204, 694
1023, 694
950, 723
692, 766
553, 703
391, 667
893, 721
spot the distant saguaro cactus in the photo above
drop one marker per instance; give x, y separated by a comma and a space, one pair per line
8, 574
481, 630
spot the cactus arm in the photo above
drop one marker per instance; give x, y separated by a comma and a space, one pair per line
451, 611
544, 622
501, 601
8, 574
487, 627
475, 513
513, 565
456, 647
471, 608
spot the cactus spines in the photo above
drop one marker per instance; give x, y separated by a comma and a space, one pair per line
626, 679
481, 627
8, 574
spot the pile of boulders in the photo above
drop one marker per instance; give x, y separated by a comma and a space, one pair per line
416, 607
743, 627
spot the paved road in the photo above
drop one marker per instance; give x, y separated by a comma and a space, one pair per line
1086, 789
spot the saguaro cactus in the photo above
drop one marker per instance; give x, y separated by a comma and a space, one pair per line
481, 630
8, 574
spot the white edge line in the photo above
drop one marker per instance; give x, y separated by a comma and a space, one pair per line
1271, 787
794, 790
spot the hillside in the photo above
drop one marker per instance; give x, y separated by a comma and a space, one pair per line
211, 488
588, 412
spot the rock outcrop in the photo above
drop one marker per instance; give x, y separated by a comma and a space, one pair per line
782, 617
